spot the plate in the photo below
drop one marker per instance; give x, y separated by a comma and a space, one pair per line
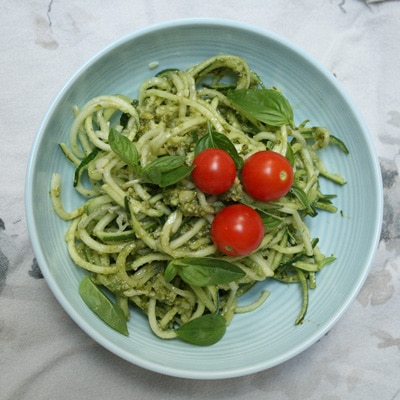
266, 337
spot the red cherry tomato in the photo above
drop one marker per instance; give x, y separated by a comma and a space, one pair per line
214, 171
237, 230
267, 176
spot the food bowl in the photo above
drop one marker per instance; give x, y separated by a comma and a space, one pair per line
267, 336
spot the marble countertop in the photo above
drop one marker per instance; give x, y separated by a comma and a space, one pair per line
43, 353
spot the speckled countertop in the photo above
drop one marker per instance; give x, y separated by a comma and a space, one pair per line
43, 354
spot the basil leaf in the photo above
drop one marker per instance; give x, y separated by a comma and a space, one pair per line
203, 331
218, 140
266, 105
205, 142
123, 147
290, 154
166, 170
102, 306
163, 171
151, 176
270, 221
165, 163
206, 271
174, 176
170, 272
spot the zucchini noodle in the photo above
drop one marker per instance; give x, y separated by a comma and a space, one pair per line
126, 231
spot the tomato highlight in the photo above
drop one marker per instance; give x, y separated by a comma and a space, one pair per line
214, 171
267, 176
237, 230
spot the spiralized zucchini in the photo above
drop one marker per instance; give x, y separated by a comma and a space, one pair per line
127, 231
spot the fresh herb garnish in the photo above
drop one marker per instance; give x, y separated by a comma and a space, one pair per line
270, 220
163, 171
214, 139
166, 170
102, 306
123, 148
203, 331
266, 105
205, 271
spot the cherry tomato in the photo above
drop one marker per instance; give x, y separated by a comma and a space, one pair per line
214, 171
267, 176
237, 230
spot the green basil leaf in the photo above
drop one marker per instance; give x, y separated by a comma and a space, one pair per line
215, 139
165, 163
165, 171
266, 105
102, 306
205, 142
290, 154
203, 331
171, 177
151, 176
270, 221
164, 179
206, 271
170, 272
123, 147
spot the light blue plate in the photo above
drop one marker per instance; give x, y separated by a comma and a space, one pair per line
268, 336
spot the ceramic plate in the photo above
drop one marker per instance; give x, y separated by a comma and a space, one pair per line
267, 336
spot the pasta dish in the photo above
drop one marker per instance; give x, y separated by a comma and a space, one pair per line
144, 228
